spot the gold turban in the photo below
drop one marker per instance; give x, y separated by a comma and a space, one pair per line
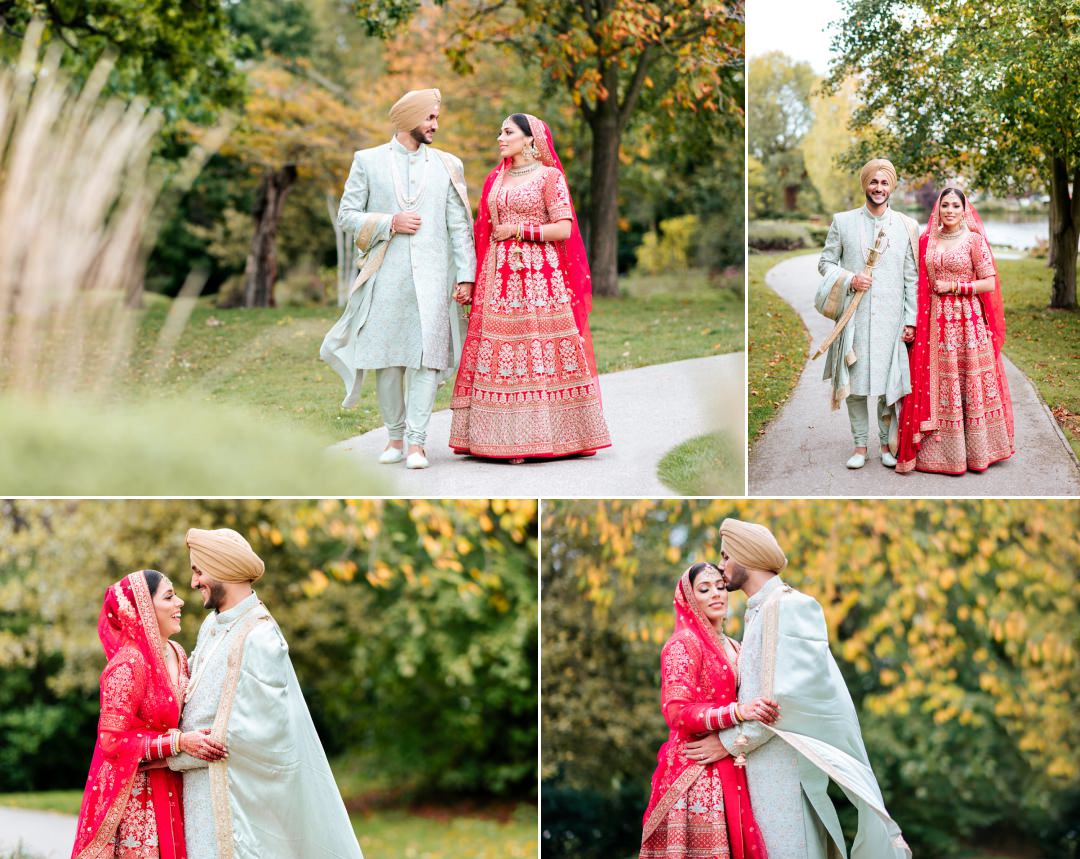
224, 555
872, 166
751, 545
413, 108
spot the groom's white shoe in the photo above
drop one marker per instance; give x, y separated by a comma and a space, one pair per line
887, 459
391, 455
857, 460
416, 460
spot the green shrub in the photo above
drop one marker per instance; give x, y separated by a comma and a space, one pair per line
672, 249
779, 236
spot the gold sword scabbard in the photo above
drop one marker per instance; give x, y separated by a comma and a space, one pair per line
873, 256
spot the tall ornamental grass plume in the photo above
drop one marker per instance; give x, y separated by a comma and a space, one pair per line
81, 200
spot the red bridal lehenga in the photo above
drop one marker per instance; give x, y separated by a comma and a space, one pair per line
128, 812
958, 416
697, 811
527, 384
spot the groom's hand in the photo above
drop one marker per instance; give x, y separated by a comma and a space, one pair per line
861, 283
909, 333
463, 292
707, 750
405, 222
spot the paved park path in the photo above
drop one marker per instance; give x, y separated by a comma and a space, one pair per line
40, 834
649, 411
804, 449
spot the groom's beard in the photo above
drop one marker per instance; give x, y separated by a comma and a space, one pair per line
874, 202
420, 137
216, 597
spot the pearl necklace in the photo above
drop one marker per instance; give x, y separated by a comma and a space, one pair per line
407, 203
524, 170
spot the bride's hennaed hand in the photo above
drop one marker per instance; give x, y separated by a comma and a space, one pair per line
200, 745
764, 710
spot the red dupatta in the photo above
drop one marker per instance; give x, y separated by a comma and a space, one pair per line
571, 252
918, 410
138, 703
684, 710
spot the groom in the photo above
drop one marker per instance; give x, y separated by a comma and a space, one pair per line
409, 208
785, 655
868, 362
273, 795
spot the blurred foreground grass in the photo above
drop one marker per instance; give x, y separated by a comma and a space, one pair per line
383, 834
168, 448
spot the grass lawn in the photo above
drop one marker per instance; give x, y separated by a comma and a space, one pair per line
707, 465
1044, 343
266, 360
776, 345
385, 832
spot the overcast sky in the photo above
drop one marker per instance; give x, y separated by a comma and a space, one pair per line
796, 27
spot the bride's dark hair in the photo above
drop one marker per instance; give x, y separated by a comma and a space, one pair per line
698, 569
957, 192
522, 122
153, 580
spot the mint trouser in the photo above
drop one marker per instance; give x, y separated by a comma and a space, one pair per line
859, 414
406, 398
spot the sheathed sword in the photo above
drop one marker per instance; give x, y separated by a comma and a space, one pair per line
873, 256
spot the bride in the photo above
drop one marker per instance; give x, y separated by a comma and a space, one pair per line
526, 385
958, 416
132, 807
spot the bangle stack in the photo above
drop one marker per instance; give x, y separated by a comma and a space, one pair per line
160, 747
964, 288
530, 232
720, 718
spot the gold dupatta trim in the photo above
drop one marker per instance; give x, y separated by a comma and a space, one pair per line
219, 770
102, 845
933, 336
679, 787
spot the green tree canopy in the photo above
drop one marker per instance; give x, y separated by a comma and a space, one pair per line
983, 90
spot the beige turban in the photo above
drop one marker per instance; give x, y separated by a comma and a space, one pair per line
871, 167
224, 555
413, 108
751, 545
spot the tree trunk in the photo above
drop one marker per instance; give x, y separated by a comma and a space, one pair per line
604, 198
1064, 233
260, 271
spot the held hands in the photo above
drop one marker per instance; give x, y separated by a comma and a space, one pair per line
405, 222
199, 745
909, 334
945, 287
861, 283
463, 293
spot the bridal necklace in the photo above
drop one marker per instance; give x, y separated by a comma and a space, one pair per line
407, 203
524, 170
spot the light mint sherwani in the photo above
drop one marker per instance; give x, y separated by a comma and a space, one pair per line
274, 796
880, 368
785, 655
403, 316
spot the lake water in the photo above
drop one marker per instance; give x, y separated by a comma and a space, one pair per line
1016, 232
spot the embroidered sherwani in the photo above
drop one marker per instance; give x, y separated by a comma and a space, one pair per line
786, 656
880, 368
791, 828
274, 796
402, 314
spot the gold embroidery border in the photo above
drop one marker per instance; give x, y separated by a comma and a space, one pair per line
219, 770
101, 846
678, 788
